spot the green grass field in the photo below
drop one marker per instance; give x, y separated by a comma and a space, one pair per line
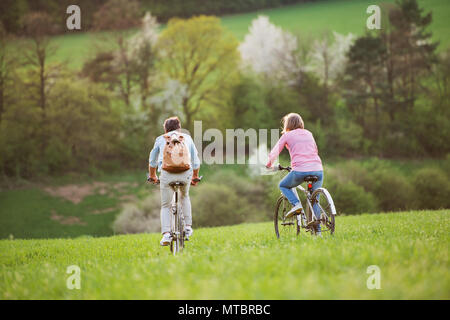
308, 20
242, 262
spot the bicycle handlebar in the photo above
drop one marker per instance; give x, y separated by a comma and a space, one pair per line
288, 168
158, 181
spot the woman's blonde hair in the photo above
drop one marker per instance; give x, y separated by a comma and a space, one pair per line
292, 121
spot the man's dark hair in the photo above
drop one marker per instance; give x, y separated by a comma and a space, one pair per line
172, 123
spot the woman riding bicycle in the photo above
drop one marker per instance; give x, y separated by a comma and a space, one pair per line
305, 161
172, 128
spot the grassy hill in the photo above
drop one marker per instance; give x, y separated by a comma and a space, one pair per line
242, 262
308, 20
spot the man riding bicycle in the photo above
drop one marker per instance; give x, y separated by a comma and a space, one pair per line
188, 173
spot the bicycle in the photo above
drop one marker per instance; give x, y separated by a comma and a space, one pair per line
286, 226
177, 224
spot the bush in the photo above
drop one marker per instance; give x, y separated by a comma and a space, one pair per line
355, 172
217, 205
393, 191
143, 216
432, 189
230, 199
350, 199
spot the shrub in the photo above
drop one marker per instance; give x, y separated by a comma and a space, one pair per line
446, 165
392, 190
432, 189
354, 172
139, 217
218, 205
350, 198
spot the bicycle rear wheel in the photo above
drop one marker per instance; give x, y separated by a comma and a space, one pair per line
181, 231
174, 247
285, 227
323, 199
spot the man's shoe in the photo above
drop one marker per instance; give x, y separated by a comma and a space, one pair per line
296, 209
166, 239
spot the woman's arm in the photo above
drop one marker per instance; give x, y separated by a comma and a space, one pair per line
279, 146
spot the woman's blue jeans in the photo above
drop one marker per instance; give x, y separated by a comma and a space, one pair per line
295, 178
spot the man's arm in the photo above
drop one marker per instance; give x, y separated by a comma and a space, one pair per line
152, 172
195, 162
153, 161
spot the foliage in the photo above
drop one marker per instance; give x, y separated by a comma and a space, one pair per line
117, 15
229, 199
202, 55
270, 51
329, 57
146, 76
81, 126
385, 78
350, 198
217, 205
432, 188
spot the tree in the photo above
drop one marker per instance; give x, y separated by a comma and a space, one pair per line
121, 16
83, 127
39, 77
117, 15
143, 55
38, 27
364, 77
270, 51
200, 54
11, 13
328, 57
8, 64
410, 54
387, 73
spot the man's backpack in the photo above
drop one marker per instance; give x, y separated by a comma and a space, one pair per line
176, 156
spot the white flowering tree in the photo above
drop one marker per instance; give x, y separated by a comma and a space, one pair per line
142, 54
329, 57
169, 100
270, 51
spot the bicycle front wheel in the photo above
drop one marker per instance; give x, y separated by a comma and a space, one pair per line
285, 227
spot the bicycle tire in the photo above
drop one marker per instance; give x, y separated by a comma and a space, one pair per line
327, 209
173, 243
180, 229
283, 226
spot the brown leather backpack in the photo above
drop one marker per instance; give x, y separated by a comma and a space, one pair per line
176, 156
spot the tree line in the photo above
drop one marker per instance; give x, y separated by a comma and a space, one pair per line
12, 12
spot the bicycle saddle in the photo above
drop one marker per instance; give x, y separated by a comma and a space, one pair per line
177, 184
311, 179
